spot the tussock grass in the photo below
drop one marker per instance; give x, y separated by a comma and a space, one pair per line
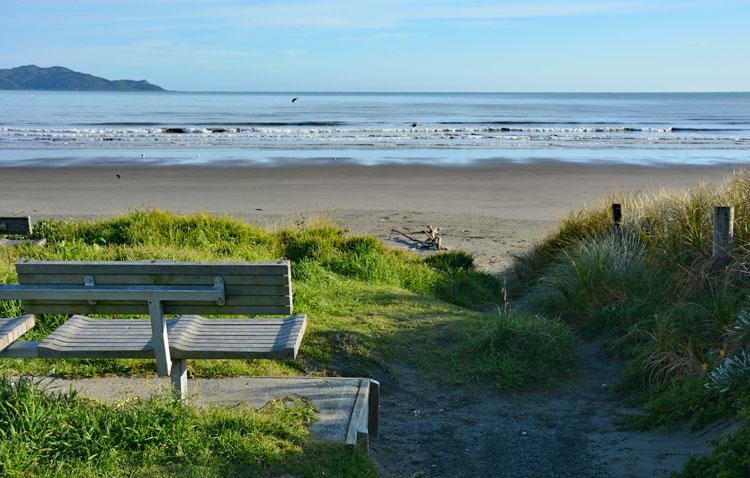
654, 291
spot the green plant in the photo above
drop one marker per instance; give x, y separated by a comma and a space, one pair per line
730, 371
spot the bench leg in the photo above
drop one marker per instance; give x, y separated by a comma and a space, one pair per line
179, 379
159, 334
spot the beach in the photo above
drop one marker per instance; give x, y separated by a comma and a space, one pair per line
492, 211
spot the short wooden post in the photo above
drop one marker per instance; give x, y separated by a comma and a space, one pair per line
616, 216
723, 237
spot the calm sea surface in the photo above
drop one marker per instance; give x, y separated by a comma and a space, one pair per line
64, 128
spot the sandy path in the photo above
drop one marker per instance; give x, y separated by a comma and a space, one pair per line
434, 431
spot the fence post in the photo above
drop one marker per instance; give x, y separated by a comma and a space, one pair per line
616, 217
723, 237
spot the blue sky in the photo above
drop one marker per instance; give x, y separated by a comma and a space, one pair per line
389, 45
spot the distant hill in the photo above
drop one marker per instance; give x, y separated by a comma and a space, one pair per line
32, 77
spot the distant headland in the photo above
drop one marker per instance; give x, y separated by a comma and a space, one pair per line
32, 77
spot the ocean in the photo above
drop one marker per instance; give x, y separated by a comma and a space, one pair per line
43, 128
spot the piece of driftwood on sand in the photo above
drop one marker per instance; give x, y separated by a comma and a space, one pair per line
432, 239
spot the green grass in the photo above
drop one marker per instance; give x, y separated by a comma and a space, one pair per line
60, 435
657, 297
371, 309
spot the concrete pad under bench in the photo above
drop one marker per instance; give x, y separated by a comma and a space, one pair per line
347, 409
23, 242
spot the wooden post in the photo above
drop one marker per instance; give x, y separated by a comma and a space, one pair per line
723, 237
616, 216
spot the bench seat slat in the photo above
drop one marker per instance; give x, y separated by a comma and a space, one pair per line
189, 337
271, 284
142, 308
150, 267
12, 329
110, 293
16, 225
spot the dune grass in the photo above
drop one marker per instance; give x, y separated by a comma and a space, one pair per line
654, 292
370, 310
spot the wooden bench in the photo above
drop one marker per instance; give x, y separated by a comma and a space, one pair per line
156, 288
18, 226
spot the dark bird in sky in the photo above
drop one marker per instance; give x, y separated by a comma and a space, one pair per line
117, 176
294, 99
414, 125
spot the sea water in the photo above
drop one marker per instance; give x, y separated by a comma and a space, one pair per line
63, 128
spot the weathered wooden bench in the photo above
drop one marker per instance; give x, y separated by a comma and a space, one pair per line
156, 288
18, 226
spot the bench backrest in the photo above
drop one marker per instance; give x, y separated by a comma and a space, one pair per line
251, 288
15, 225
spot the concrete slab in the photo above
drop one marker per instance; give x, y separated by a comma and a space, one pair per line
22, 242
338, 401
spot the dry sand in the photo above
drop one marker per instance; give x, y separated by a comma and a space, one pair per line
491, 211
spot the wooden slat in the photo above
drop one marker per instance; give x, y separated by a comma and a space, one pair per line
241, 300
15, 225
174, 308
28, 266
20, 349
272, 283
250, 288
189, 337
12, 329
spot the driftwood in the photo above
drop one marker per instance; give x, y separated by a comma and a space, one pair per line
432, 239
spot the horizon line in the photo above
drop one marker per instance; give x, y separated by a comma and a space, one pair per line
405, 92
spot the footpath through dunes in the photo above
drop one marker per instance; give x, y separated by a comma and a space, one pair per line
434, 430
575, 428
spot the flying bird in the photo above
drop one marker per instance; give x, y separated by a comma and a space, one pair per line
414, 125
117, 176
294, 99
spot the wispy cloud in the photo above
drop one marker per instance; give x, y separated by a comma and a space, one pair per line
350, 14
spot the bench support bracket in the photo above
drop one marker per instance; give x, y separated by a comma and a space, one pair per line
179, 379
161, 341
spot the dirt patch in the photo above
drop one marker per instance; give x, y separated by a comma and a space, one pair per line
438, 431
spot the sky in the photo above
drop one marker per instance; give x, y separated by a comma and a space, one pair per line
389, 45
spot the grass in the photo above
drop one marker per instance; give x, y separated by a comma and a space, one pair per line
370, 309
60, 435
654, 292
